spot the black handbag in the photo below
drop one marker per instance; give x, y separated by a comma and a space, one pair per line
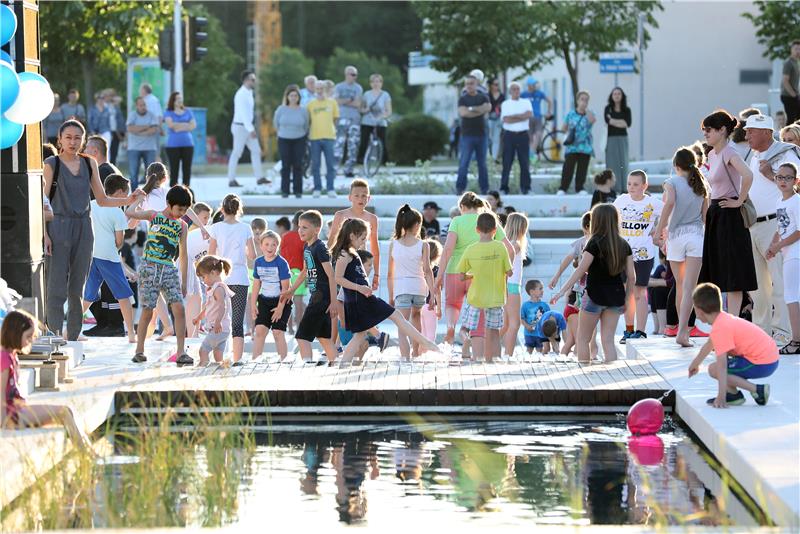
570, 139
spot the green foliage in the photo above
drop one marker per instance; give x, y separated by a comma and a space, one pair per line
776, 26
393, 81
416, 137
286, 66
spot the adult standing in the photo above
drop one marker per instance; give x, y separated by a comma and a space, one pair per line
53, 121
69, 181
143, 132
376, 106
472, 108
322, 114
496, 126
516, 114
578, 123
180, 144
97, 149
348, 130
536, 96
769, 308
618, 118
309, 90
100, 119
291, 123
727, 249
153, 106
73, 108
790, 84
244, 130
116, 123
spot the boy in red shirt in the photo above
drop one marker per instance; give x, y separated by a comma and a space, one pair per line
743, 351
292, 251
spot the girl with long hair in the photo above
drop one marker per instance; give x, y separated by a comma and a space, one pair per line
516, 232
617, 115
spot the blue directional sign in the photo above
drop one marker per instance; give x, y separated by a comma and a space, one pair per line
617, 62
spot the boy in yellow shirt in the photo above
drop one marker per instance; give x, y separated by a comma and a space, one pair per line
323, 112
488, 265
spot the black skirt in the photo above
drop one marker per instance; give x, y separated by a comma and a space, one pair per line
727, 251
362, 313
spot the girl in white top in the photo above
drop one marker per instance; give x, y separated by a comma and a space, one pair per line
517, 232
197, 248
410, 275
233, 240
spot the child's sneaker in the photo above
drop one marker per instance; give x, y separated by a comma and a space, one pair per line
733, 399
625, 337
761, 396
672, 331
139, 357
383, 341
184, 359
696, 332
639, 335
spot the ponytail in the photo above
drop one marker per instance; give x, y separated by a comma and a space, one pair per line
156, 172
342, 243
407, 219
213, 264
686, 159
470, 200
232, 205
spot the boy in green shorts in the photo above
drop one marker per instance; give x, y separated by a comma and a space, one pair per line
488, 265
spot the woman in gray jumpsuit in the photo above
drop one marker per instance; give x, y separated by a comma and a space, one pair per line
69, 239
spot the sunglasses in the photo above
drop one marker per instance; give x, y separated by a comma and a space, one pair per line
354, 74
785, 178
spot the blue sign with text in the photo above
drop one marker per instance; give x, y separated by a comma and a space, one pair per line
617, 62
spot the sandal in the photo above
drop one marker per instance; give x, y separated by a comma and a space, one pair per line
791, 348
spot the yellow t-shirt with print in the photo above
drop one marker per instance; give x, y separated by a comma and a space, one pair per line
488, 263
323, 115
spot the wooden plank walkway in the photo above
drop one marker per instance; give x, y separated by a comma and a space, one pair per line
393, 387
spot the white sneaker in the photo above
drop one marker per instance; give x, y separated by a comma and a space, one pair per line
316, 193
331, 194
582, 192
560, 193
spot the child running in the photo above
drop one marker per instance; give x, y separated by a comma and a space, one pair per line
270, 278
487, 264
607, 258
16, 336
158, 274
320, 313
743, 350
787, 242
217, 309
410, 275
685, 199
362, 309
517, 232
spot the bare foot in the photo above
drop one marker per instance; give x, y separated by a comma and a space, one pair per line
132, 339
164, 335
684, 341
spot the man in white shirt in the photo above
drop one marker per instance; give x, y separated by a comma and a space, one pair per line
515, 113
769, 308
244, 130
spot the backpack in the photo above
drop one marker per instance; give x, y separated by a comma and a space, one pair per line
57, 170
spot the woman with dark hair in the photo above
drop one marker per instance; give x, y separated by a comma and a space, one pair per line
291, 122
496, 99
180, 145
727, 249
618, 119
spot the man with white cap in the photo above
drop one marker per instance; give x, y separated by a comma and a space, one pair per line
767, 156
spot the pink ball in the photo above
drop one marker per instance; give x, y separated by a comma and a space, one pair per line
645, 417
646, 450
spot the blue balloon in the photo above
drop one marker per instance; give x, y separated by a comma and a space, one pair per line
8, 24
10, 133
32, 77
9, 86
4, 56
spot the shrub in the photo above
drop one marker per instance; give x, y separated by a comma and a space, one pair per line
416, 137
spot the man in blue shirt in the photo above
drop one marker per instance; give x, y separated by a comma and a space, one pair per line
536, 95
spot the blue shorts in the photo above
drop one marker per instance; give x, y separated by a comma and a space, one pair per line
513, 289
535, 342
111, 272
744, 368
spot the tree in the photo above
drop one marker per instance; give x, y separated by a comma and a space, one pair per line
496, 37
286, 65
776, 26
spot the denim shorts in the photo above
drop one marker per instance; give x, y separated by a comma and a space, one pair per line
214, 341
744, 368
590, 307
409, 301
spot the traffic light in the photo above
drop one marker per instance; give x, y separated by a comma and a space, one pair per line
195, 36
166, 49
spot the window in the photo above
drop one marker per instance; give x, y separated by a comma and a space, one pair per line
760, 77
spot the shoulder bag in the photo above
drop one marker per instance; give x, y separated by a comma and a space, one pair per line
570, 139
747, 209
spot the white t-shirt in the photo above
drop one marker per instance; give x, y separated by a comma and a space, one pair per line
156, 200
637, 220
515, 107
788, 223
196, 246
232, 245
764, 193
105, 223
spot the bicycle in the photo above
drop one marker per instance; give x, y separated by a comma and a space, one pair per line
551, 147
373, 155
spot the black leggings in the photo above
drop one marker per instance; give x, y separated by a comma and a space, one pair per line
672, 310
570, 162
180, 156
292, 153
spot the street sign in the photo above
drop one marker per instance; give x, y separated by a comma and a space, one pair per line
617, 62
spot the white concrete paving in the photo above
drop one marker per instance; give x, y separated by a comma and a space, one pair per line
758, 445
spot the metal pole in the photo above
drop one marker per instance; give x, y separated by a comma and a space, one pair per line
641, 85
177, 68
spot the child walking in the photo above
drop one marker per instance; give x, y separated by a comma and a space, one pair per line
410, 275
787, 242
685, 204
607, 258
432, 311
362, 309
271, 277
743, 350
517, 232
233, 240
16, 336
217, 308
487, 264
158, 274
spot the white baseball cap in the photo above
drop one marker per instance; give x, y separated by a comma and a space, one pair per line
759, 122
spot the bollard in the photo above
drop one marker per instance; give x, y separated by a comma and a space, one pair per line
48, 376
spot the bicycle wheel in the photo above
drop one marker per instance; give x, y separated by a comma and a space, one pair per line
373, 157
552, 147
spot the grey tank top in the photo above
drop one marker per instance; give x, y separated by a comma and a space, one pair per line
73, 192
687, 216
